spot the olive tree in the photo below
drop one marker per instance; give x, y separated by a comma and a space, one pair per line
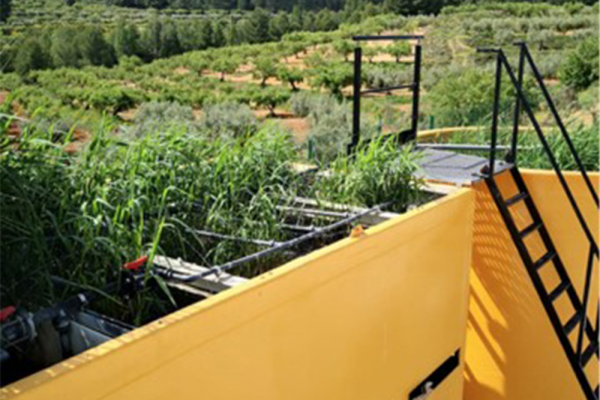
290, 75
271, 97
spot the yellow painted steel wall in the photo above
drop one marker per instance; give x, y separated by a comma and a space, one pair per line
365, 318
512, 351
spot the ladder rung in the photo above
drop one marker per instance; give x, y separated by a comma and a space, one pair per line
530, 229
553, 295
588, 353
516, 199
544, 259
572, 323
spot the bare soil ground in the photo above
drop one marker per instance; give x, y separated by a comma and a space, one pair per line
298, 126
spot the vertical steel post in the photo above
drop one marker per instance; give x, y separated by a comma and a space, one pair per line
416, 90
512, 155
495, 114
356, 100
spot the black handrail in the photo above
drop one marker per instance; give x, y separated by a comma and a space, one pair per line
586, 300
524, 103
512, 156
529, 111
526, 54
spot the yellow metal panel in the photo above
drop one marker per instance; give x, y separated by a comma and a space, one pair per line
512, 350
366, 318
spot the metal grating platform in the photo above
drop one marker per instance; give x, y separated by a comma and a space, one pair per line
450, 167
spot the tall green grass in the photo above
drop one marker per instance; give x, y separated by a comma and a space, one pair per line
81, 216
531, 153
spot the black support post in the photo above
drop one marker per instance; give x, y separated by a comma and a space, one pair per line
416, 90
496, 111
356, 100
512, 155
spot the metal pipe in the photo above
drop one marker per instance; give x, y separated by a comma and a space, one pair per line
559, 122
299, 228
315, 212
282, 246
259, 242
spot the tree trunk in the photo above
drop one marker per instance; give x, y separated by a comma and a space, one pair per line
272, 110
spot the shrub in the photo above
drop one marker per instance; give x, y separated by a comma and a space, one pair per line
302, 103
588, 100
467, 97
380, 77
155, 116
228, 120
580, 67
330, 129
378, 172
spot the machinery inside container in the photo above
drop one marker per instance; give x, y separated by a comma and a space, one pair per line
34, 340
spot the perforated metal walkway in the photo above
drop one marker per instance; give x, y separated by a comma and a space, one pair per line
451, 167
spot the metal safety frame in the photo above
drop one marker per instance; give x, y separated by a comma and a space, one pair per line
578, 356
415, 86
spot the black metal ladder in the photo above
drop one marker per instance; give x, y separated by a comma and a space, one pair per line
579, 355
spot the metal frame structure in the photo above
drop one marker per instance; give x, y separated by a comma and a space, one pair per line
279, 247
578, 356
415, 86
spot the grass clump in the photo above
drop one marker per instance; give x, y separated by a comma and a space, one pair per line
81, 216
531, 153
379, 172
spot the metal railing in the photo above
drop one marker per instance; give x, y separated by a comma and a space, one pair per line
523, 104
415, 86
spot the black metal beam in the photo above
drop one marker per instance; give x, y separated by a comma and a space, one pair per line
388, 89
387, 37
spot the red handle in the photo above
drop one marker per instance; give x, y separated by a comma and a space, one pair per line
135, 265
7, 312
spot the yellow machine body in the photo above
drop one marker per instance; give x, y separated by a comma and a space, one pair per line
513, 352
367, 318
